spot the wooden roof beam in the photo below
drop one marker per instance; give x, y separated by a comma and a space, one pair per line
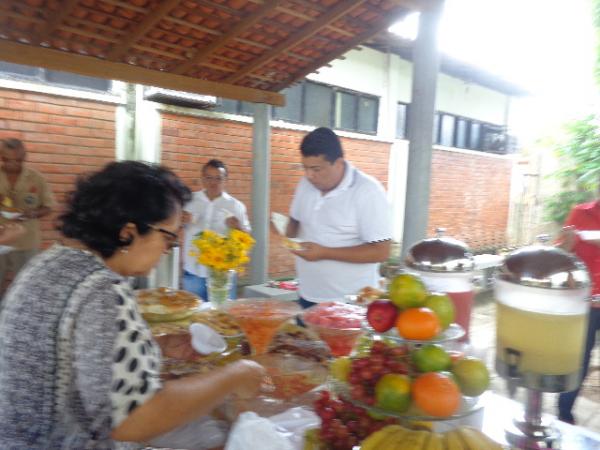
299, 36
55, 21
389, 20
94, 67
151, 19
235, 31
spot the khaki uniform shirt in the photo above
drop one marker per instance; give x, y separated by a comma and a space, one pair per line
29, 192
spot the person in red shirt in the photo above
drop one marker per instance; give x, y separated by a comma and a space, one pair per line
585, 216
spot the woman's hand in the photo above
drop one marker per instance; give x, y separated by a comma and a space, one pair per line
250, 376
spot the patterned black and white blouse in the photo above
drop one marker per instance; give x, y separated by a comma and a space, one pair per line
75, 355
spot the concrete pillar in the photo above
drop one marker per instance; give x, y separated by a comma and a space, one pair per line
420, 126
261, 187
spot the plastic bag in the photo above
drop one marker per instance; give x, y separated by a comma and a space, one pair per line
200, 434
252, 432
294, 422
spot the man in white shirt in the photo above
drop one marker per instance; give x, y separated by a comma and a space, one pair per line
210, 209
343, 218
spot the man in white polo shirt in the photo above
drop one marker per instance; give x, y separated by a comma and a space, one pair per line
210, 209
342, 216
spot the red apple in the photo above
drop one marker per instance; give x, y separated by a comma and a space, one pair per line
381, 315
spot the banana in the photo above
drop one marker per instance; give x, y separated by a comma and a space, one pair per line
454, 442
375, 440
476, 440
435, 442
414, 440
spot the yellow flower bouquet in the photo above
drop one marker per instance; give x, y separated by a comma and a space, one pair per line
221, 254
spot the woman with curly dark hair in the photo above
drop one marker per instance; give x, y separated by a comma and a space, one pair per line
78, 365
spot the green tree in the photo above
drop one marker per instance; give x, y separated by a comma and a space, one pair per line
579, 171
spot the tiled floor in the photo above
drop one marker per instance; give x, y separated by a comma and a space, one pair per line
587, 406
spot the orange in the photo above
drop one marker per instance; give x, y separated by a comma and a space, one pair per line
436, 394
418, 324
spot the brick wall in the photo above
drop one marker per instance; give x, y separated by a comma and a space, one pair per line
64, 137
470, 197
188, 142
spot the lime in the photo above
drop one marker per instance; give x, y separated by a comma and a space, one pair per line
442, 306
339, 368
431, 358
392, 392
472, 375
407, 291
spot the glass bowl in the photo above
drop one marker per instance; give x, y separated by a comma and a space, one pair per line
260, 319
291, 376
339, 325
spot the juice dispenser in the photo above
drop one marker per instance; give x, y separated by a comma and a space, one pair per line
542, 299
446, 265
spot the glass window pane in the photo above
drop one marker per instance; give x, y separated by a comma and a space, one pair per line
19, 69
461, 133
227, 106
292, 110
436, 128
317, 104
345, 112
247, 108
367, 114
78, 81
401, 123
475, 136
447, 130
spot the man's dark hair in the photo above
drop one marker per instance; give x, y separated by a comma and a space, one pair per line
217, 164
322, 141
13, 144
122, 192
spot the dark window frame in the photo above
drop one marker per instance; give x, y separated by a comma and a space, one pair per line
332, 114
42, 76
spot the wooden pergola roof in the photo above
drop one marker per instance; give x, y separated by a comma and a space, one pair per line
240, 49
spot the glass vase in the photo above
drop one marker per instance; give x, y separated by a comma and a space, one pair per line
219, 286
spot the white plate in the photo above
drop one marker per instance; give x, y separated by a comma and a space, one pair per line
5, 249
10, 214
589, 235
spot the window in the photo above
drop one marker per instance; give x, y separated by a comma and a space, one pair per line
292, 111
447, 130
462, 128
367, 114
54, 77
321, 105
227, 106
474, 136
401, 120
317, 104
346, 110
436, 128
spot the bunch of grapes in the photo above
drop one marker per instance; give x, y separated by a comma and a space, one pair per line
367, 370
344, 425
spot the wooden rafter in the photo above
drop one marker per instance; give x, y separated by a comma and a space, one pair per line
235, 31
298, 37
55, 21
95, 67
151, 19
389, 20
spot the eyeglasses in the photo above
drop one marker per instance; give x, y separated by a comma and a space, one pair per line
209, 178
171, 238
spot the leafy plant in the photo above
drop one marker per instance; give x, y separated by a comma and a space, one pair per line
579, 171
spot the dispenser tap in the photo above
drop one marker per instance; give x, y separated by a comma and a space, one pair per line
513, 359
